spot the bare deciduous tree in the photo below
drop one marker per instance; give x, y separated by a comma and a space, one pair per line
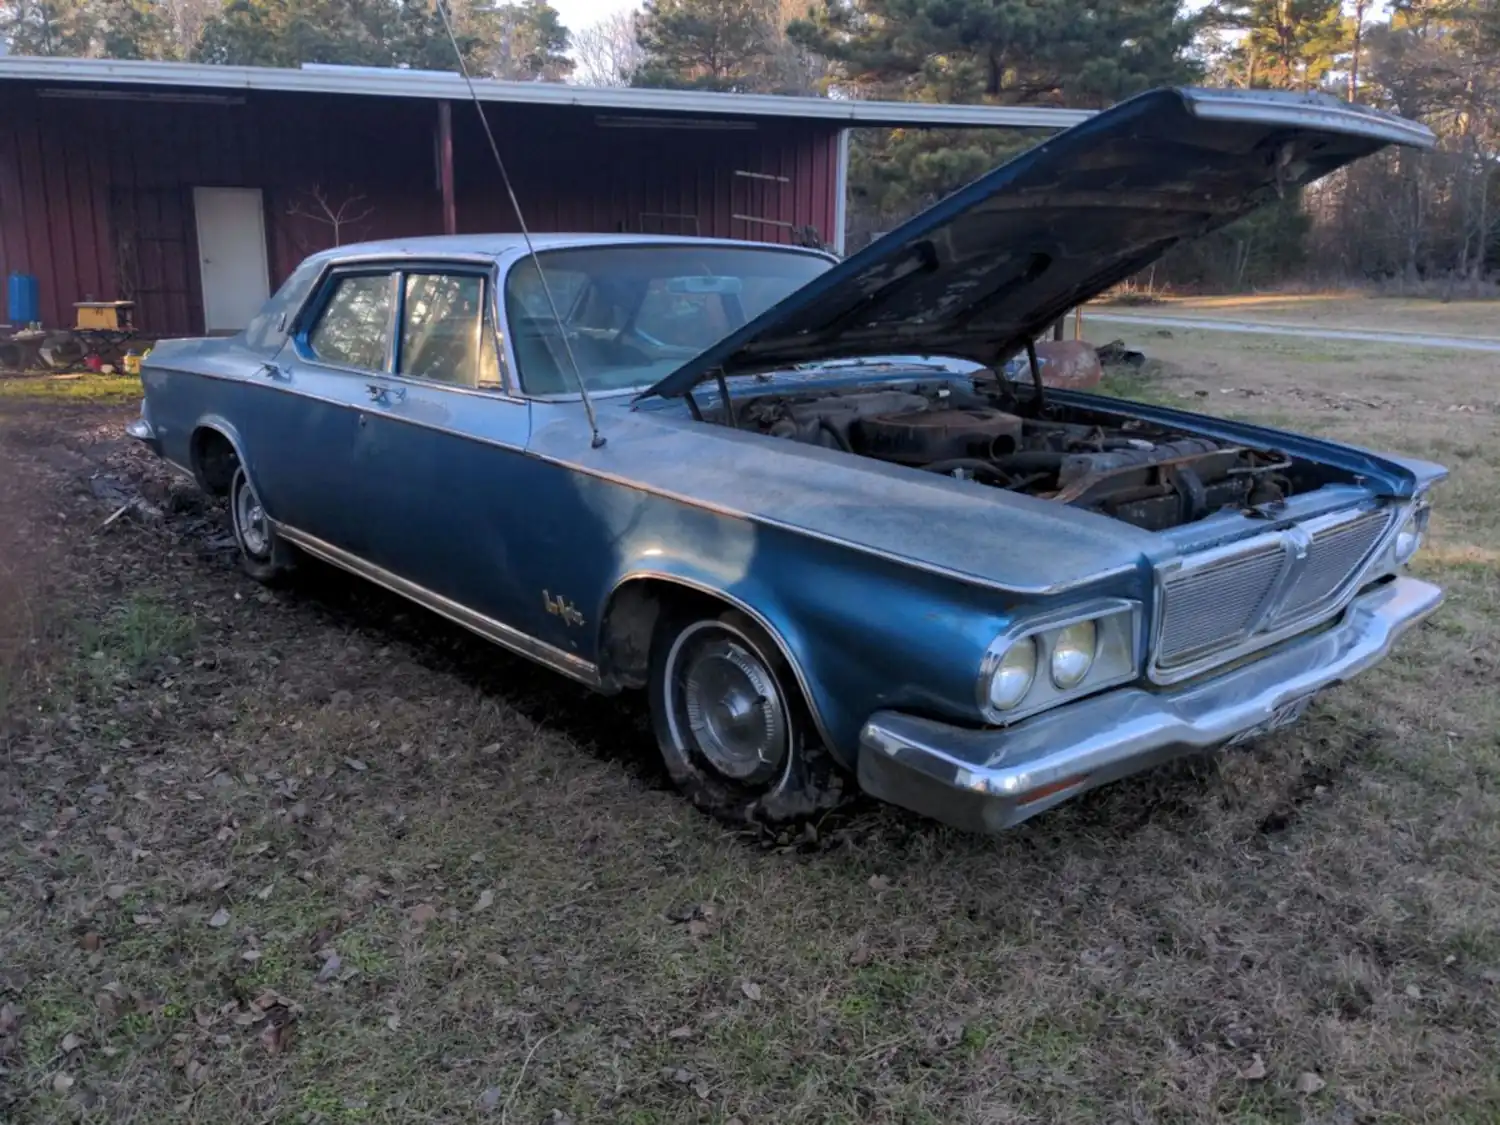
607, 52
335, 216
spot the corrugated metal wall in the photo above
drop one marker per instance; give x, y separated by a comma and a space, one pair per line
573, 171
96, 195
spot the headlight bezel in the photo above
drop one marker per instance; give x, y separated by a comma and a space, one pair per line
1393, 559
1414, 525
1117, 656
1001, 660
1062, 644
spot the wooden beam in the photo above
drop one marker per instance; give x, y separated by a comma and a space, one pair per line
445, 166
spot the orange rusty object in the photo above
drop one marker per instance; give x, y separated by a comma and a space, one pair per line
1068, 363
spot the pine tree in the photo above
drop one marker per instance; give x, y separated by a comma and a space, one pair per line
532, 43
706, 44
1004, 51
350, 32
1058, 52
1286, 44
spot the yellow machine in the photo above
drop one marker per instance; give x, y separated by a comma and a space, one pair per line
104, 316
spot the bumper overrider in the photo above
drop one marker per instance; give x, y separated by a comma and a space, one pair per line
986, 780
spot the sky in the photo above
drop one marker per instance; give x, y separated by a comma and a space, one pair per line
577, 14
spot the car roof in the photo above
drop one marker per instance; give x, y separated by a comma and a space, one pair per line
500, 245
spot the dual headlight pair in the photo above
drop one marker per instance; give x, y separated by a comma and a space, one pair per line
1046, 662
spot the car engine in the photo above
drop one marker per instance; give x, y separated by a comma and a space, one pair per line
1127, 468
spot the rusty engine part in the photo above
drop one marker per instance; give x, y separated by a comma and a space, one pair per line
1177, 482
944, 434
1133, 470
827, 419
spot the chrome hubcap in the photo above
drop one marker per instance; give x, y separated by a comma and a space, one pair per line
729, 706
250, 518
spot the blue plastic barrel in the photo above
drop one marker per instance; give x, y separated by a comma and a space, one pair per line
24, 303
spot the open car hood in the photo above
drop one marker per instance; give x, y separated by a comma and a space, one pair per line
989, 268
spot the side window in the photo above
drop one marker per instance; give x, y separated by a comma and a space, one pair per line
687, 320
354, 329
489, 352
442, 329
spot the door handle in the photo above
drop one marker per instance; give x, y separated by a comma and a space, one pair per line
385, 395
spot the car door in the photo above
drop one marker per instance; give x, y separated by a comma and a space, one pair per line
441, 454
340, 341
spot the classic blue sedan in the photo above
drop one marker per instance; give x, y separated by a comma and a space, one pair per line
797, 501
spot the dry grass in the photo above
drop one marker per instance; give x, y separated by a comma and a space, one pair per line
1340, 310
315, 856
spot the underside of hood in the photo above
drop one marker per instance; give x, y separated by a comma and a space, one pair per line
991, 266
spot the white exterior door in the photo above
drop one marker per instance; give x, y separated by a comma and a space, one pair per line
231, 255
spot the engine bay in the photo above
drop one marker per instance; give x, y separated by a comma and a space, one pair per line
999, 434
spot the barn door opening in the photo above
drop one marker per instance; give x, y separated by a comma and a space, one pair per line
231, 255
153, 259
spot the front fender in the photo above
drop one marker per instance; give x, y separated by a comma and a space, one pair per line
861, 633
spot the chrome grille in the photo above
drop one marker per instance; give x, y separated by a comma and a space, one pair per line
1216, 604
1335, 552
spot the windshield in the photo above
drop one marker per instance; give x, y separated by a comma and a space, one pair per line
634, 314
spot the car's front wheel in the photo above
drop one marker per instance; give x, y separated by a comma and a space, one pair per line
730, 721
263, 554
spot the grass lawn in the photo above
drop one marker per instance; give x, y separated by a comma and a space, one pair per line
316, 856
71, 388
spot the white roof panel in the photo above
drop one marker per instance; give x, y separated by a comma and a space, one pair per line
393, 83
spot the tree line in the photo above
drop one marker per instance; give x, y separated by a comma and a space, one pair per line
1401, 218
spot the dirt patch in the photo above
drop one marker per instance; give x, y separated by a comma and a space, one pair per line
316, 856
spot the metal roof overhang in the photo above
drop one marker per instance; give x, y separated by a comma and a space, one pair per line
81, 74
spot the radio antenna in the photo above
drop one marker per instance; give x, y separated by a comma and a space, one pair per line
562, 331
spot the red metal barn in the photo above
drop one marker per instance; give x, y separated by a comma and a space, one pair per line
194, 190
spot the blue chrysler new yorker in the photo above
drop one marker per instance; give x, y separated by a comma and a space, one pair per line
798, 502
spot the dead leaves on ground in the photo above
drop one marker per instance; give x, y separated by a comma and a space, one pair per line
702, 919
1307, 1084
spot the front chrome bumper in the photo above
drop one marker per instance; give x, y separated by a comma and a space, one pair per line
986, 780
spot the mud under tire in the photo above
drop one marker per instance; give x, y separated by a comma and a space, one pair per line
804, 780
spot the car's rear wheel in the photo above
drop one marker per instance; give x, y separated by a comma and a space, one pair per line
732, 727
263, 554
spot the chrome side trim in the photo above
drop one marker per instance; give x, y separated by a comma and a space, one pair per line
749, 611
522, 644
666, 494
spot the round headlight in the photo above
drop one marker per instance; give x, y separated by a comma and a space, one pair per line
1013, 675
1409, 538
1073, 654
